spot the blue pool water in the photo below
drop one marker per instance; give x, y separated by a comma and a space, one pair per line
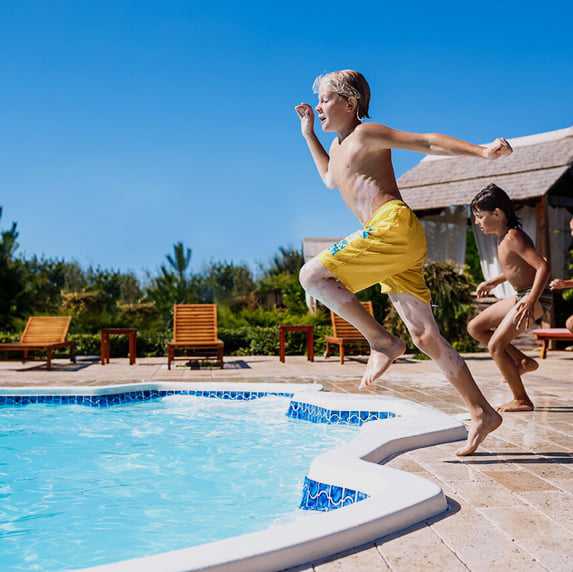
81, 486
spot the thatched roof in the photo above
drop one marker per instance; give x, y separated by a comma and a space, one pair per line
537, 162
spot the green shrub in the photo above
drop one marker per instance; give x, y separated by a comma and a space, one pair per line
452, 306
149, 344
254, 331
266, 318
252, 340
248, 340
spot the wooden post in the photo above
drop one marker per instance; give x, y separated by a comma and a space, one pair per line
543, 247
131, 340
282, 344
310, 344
543, 349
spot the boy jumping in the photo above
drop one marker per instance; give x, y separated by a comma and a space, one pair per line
527, 272
390, 249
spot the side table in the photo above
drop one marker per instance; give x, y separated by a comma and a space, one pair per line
308, 332
131, 334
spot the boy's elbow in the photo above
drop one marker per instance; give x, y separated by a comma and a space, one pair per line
544, 269
431, 141
328, 182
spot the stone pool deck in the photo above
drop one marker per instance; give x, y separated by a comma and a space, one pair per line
511, 504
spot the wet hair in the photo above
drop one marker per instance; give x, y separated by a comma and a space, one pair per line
349, 84
493, 197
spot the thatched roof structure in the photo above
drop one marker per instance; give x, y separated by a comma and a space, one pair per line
539, 164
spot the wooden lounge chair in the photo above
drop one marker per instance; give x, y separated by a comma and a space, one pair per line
344, 333
545, 335
43, 333
195, 329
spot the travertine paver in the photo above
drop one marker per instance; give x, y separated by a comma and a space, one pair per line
483, 493
481, 546
368, 559
553, 504
511, 505
419, 548
551, 543
520, 481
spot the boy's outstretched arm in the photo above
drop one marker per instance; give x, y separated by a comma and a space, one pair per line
560, 284
485, 287
319, 155
435, 143
527, 251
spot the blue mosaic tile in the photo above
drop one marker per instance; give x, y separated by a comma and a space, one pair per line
109, 400
316, 414
324, 497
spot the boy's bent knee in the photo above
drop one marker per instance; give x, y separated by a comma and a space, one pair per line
305, 276
473, 329
427, 340
495, 347
311, 274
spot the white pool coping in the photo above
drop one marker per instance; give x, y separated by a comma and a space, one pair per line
396, 499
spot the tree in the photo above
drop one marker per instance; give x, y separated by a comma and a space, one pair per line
179, 264
11, 278
229, 283
175, 284
289, 260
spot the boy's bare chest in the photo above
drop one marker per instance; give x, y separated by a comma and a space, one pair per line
343, 163
509, 259
351, 160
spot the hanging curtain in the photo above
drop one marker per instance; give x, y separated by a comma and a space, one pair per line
559, 240
446, 235
528, 216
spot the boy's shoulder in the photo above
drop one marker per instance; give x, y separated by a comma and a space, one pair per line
516, 239
371, 128
366, 132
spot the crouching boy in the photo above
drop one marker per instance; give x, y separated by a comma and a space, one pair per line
497, 326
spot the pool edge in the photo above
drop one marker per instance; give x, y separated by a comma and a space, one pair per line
396, 499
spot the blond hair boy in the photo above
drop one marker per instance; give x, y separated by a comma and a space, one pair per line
390, 248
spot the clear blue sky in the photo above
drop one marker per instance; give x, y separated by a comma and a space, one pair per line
129, 125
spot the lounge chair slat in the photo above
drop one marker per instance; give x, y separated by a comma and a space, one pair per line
195, 328
345, 333
43, 333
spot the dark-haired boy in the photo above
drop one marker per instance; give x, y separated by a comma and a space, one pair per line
497, 326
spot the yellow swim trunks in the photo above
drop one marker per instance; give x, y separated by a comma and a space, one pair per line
390, 249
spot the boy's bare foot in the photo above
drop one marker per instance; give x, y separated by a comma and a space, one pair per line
479, 430
380, 361
527, 365
516, 405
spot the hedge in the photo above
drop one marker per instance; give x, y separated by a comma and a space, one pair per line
251, 340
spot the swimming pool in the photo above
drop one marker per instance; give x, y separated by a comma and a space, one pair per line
248, 461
